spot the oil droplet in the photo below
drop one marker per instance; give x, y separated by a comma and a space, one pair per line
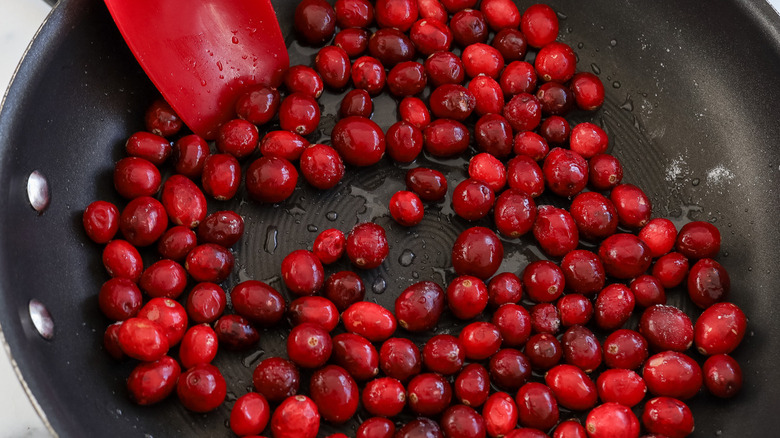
270, 239
235, 39
379, 286
628, 105
580, 45
415, 274
219, 65
332, 216
696, 182
613, 43
406, 258
616, 84
561, 15
312, 228
230, 396
252, 358
203, 82
596, 69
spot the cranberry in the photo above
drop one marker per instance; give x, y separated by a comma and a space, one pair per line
119, 299
271, 179
659, 235
583, 272
234, 332
369, 320
698, 240
518, 77
359, 141
237, 137
671, 269
420, 427
415, 112
570, 429
672, 374
514, 324
221, 176
152, 382
135, 177
315, 21
368, 74
209, 262
588, 91
344, 288
612, 419
574, 309
384, 397
452, 101
555, 231
472, 199
480, 340
613, 307
296, 417
666, 328
461, 421
258, 302
524, 112
500, 414
160, 119
283, 144
400, 14
429, 394
206, 302
143, 221
428, 184
632, 205
376, 427
720, 329
573, 388
708, 283
356, 355
512, 45
183, 201
540, 25
101, 221
514, 213
604, 172
143, 339
367, 245
444, 67
335, 393
543, 281
356, 102
443, 354
581, 348
454, 6
430, 35
199, 345
536, 406
302, 272
621, 386
400, 358
276, 379
329, 246
472, 385
468, 27
467, 297
492, 132
545, 318
321, 166
353, 40
407, 79
504, 288
555, 100
477, 251
404, 142
566, 172
122, 260
668, 417
588, 140
299, 113
353, 13
555, 62
625, 349
391, 46
482, 59
509, 369
432, 9
419, 307
250, 414
332, 64
543, 351
554, 129
258, 104
446, 138
165, 278
595, 215
309, 345
500, 14
148, 146
722, 376
224, 228
624, 256
524, 174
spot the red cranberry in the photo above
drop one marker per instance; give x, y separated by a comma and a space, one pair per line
671, 269
148, 146
432, 9
472, 385
420, 427
199, 345
666, 328
672, 374
271, 179
668, 417
353, 40
524, 174
659, 235
480, 340
625, 349
581, 348
555, 129
122, 260
722, 376
556, 100
369, 74
164, 278
583, 272
462, 421
296, 417
250, 414
467, 297
344, 289
391, 46
258, 302
430, 35
234, 332
543, 281
588, 91
472, 199
720, 329
143, 339
504, 288
500, 414
588, 140
356, 102
468, 27
101, 221
492, 132
221, 176
283, 144
302, 272
477, 251
518, 77
708, 283
384, 397
404, 142
209, 262
309, 345
119, 299
621, 386
419, 307
454, 6
160, 119
135, 177
572, 387
604, 172
500, 14
509, 369
624, 256
443, 354
367, 245
335, 393
545, 318
258, 104
555, 231
321, 166
299, 113
237, 137
446, 138
304, 79
400, 14
482, 59
595, 215
555, 62
315, 21
356, 355
698, 240
415, 112
143, 221
353, 13
224, 228
429, 394
400, 358
407, 79
612, 419
536, 406
452, 101
444, 67
376, 427
514, 213
183, 201
206, 302
543, 351
540, 25
632, 205
276, 379
152, 382
332, 63
565, 172
570, 429
369, 320
648, 290
524, 112
428, 184
613, 307
111, 341
574, 309
359, 141
514, 324
329, 246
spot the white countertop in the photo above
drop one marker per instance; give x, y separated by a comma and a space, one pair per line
19, 20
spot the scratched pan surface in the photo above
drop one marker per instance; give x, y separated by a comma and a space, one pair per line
692, 97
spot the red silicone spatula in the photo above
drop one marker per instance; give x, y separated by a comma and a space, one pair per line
200, 54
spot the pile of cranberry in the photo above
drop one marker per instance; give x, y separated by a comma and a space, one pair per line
510, 373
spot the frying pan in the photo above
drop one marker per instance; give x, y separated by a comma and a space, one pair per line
691, 109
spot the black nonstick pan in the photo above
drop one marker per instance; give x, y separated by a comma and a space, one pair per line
693, 92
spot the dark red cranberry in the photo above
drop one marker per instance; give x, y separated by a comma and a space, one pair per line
543, 351
169, 314
111, 341
524, 112
101, 221
446, 138
472, 385
359, 141
666, 328
588, 91
698, 240
557, 100
613, 306
462, 421
415, 112
604, 172
369, 320
545, 319
565, 172
722, 376
671, 269
588, 140
583, 272
303, 79
299, 113
119, 299
477, 251
419, 307
443, 354
708, 283
610, 419
472, 199
407, 79
452, 101
493, 134
276, 379
376, 427
369, 74
356, 355
468, 27
309, 345
400, 14
250, 414
648, 291
224, 228
509, 369
321, 166
518, 77
632, 205
504, 288
164, 278
595, 215
430, 35
258, 104
429, 394
480, 340
420, 427
356, 102
482, 59
344, 289
353, 13
539, 24
296, 417
432, 9
514, 213
490, 101
353, 40
142, 339
283, 144
160, 119
258, 302
367, 245
329, 246
135, 177
514, 324
400, 358
237, 137
122, 260
335, 393
555, 129
444, 68
428, 184
625, 349
391, 46
668, 417
206, 302
183, 201
536, 406
720, 329
271, 179
555, 231
209, 262
454, 6
500, 414
199, 345
332, 64
581, 348
572, 387
511, 43
543, 281
574, 309
624, 256
315, 21
234, 332
221, 176
148, 146
672, 374
384, 397
500, 14
153, 382
530, 144
404, 142
621, 386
